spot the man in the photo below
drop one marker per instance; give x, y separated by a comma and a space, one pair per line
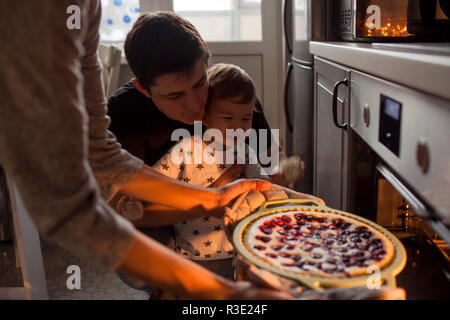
169, 59
55, 146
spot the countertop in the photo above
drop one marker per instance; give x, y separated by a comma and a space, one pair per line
425, 67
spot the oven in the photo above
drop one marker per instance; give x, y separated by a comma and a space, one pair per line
388, 20
400, 176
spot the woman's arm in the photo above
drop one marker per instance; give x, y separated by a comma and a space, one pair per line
157, 265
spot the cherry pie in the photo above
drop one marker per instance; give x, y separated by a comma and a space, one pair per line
317, 244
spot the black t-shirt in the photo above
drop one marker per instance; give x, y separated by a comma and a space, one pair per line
144, 131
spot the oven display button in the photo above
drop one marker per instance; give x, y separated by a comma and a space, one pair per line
423, 156
366, 114
390, 123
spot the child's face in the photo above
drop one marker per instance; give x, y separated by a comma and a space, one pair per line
224, 114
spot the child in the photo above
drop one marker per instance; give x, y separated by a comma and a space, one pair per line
231, 100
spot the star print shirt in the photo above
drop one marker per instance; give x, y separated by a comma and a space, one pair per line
201, 238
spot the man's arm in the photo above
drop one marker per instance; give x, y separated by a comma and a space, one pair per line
174, 197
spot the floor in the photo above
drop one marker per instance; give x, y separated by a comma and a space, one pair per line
97, 282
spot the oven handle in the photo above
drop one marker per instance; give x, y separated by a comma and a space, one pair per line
419, 207
335, 98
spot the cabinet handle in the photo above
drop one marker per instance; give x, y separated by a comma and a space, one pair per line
285, 22
335, 98
286, 97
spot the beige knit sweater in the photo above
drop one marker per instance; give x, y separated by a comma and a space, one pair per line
54, 142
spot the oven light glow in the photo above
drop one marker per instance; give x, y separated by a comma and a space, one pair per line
389, 30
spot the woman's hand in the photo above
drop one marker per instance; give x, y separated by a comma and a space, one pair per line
244, 290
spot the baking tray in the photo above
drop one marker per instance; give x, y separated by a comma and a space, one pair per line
387, 273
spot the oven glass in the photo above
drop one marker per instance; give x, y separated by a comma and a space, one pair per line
382, 18
425, 275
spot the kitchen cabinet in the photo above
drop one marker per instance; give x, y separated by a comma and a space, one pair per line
331, 135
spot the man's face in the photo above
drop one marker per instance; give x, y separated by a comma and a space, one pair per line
182, 97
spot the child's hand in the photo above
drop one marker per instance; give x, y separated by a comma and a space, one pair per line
291, 170
130, 208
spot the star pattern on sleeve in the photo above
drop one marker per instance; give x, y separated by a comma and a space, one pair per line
205, 219
195, 232
200, 166
165, 166
210, 179
208, 243
230, 253
217, 228
186, 180
222, 166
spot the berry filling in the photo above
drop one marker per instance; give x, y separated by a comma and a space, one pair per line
338, 239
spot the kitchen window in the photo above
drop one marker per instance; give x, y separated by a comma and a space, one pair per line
223, 20
216, 20
118, 16
242, 32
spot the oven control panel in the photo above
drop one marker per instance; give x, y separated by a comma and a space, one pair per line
390, 122
409, 131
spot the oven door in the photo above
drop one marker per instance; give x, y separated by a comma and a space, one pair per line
388, 21
381, 196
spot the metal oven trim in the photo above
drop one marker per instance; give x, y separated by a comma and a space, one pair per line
419, 206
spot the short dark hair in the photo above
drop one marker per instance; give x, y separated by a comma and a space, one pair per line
228, 81
163, 42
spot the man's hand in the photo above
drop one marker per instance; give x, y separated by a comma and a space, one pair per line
235, 189
229, 176
231, 191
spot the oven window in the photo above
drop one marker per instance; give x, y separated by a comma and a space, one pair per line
382, 18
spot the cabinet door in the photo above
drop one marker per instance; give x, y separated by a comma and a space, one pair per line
330, 142
303, 135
